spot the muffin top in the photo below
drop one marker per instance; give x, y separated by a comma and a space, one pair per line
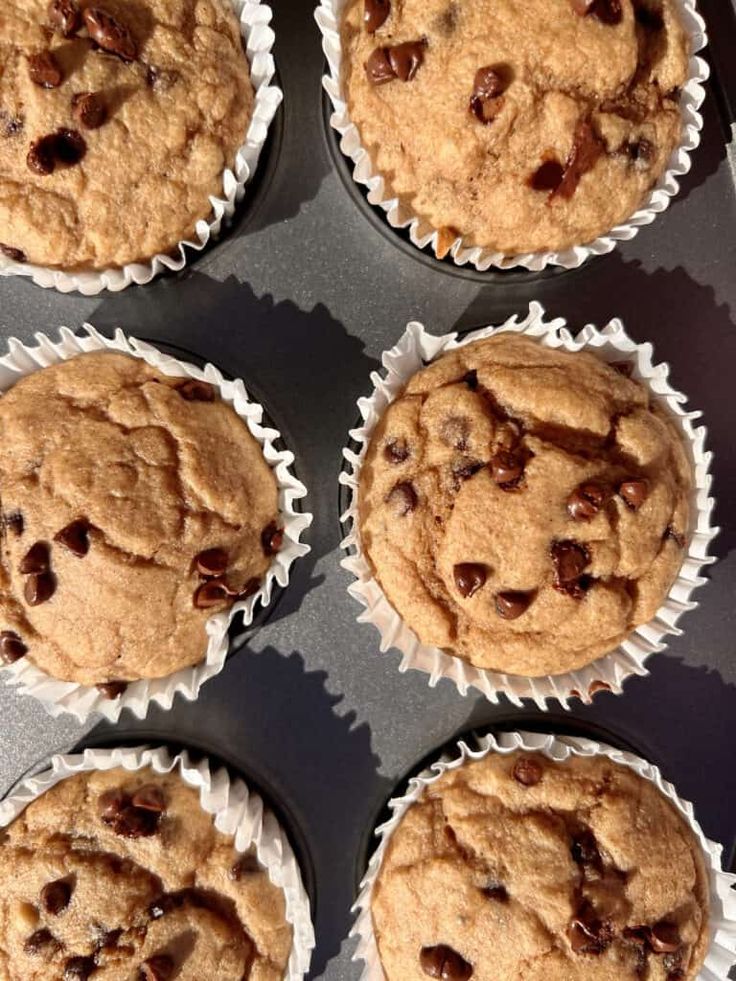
518, 126
516, 868
116, 124
134, 506
123, 875
524, 508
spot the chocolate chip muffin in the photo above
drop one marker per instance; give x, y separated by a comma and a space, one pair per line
521, 127
122, 875
135, 506
524, 508
117, 121
517, 868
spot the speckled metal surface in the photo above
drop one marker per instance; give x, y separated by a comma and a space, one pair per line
299, 299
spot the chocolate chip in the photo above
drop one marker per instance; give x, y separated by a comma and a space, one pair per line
15, 255
44, 70
272, 538
512, 604
69, 147
584, 850
160, 967
405, 59
194, 390
110, 803
528, 771
403, 499
465, 469
587, 933
89, 109
150, 798
14, 522
587, 148
246, 865
471, 379
455, 431
469, 578
112, 689
39, 588
36, 559
110, 34
65, 17
488, 85
106, 939
75, 537
41, 157
445, 963
378, 67
214, 592
664, 938
677, 538
375, 13
496, 892
12, 648
135, 822
547, 177
55, 896
212, 562
569, 560
586, 501
396, 450
634, 492
42, 942
79, 968
507, 468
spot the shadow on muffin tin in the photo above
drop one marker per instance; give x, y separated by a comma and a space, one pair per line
511, 721
376, 216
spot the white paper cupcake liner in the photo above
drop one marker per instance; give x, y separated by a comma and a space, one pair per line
416, 348
258, 38
238, 812
423, 234
81, 701
722, 951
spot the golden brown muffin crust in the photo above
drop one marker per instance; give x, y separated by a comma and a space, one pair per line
516, 868
524, 508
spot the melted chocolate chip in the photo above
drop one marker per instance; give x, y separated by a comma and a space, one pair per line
445, 963
79, 968
150, 797
469, 578
403, 499
528, 771
44, 70
65, 17
75, 537
39, 588
587, 148
396, 450
35, 560
247, 865
488, 86
41, 157
15, 255
272, 538
587, 933
586, 501
507, 468
160, 967
110, 34
214, 592
89, 109
512, 604
55, 896
211, 563
569, 560
112, 689
194, 390
406, 58
12, 648
42, 942
664, 938
471, 379
375, 13
378, 67
547, 177
633, 492
69, 147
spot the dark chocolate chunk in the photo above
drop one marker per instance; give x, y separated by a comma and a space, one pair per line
445, 963
272, 538
375, 13
15, 255
403, 499
512, 604
212, 562
194, 390
396, 450
469, 578
65, 17
528, 771
586, 501
634, 492
35, 560
89, 109
110, 34
405, 59
112, 689
12, 648
547, 177
55, 896
39, 588
44, 70
75, 537
160, 967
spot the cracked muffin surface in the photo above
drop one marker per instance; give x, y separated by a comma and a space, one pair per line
525, 508
521, 127
134, 506
123, 875
517, 868
113, 138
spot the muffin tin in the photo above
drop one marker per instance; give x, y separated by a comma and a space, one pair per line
299, 299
